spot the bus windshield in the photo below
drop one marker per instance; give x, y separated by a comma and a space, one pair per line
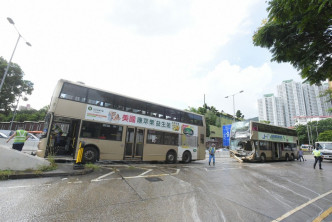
324, 145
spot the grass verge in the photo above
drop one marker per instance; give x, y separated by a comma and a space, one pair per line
92, 166
4, 174
50, 167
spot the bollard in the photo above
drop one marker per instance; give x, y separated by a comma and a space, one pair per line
79, 164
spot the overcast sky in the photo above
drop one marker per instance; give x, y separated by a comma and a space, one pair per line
167, 52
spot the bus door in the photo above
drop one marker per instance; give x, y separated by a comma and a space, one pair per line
134, 143
63, 136
275, 153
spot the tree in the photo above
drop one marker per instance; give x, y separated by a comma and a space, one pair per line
325, 136
239, 114
14, 86
313, 129
299, 32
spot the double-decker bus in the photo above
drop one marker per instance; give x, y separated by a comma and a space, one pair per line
254, 141
117, 127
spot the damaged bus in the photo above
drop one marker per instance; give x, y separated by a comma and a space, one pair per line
254, 141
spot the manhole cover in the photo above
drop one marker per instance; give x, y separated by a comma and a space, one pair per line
153, 179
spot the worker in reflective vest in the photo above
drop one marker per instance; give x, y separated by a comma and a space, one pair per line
20, 137
318, 158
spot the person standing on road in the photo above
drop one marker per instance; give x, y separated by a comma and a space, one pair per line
20, 137
318, 158
212, 151
301, 155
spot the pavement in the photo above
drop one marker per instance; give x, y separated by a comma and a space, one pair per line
64, 168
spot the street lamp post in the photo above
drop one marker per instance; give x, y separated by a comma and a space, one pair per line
234, 102
10, 60
11, 123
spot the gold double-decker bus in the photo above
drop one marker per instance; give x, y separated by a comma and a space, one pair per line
255, 141
117, 127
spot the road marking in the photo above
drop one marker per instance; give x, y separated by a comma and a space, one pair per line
324, 215
300, 207
101, 177
142, 174
157, 175
27, 186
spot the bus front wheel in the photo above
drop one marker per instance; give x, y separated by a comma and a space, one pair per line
287, 157
263, 158
90, 155
171, 157
186, 157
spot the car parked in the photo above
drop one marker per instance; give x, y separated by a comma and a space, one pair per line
30, 145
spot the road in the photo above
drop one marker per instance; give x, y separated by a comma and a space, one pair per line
230, 191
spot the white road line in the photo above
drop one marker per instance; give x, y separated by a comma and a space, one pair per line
103, 176
142, 174
13, 187
300, 207
157, 175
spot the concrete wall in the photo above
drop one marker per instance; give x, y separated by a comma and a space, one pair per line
14, 160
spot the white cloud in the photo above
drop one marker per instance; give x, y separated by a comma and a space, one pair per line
159, 51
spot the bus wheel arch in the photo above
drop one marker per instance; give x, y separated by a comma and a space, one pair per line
186, 157
90, 154
287, 157
263, 157
171, 156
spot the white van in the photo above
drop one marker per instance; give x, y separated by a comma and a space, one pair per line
325, 148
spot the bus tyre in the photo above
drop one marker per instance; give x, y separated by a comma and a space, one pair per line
263, 158
89, 155
186, 157
287, 157
171, 157
292, 157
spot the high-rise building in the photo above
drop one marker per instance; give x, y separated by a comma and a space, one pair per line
294, 100
271, 109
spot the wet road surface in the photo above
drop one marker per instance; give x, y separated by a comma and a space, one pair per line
230, 191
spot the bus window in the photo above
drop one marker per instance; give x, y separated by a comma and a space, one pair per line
185, 117
119, 102
171, 114
101, 131
73, 92
155, 137
171, 139
135, 106
198, 120
264, 145
155, 111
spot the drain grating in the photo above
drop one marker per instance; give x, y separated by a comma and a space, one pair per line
153, 179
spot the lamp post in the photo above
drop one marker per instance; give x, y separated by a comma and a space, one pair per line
234, 102
11, 123
10, 60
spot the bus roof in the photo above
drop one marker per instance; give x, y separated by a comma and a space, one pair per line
61, 81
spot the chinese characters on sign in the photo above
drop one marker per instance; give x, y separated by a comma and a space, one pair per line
126, 118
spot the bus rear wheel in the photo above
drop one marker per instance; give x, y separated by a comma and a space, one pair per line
171, 157
90, 155
186, 157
